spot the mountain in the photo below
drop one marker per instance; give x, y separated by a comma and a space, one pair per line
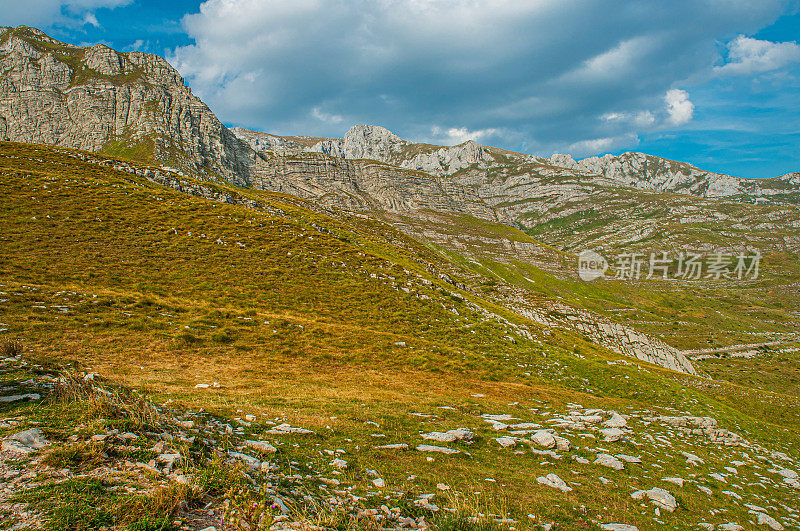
506, 217
205, 328
128, 104
245, 358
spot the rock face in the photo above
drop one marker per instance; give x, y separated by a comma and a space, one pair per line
377, 143
130, 104
646, 172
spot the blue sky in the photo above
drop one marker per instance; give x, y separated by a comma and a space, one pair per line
711, 82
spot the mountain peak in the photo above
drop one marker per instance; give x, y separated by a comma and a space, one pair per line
133, 105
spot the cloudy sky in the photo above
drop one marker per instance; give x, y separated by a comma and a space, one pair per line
711, 82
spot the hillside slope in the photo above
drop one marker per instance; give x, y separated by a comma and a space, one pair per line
355, 353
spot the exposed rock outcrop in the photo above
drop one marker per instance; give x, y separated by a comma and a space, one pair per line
130, 104
646, 172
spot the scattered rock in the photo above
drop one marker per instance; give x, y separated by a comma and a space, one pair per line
251, 462
612, 434
437, 449
552, 480
17, 398
341, 464
284, 429
765, 519
399, 446
459, 434
616, 421
25, 442
562, 444
262, 446
506, 442
660, 498
544, 438
610, 461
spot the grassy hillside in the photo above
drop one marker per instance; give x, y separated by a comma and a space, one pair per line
339, 325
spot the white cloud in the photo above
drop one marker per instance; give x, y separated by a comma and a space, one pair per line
594, 146
747, 56
679, 108
545, 73
640, 119
43, 13
91, 19
459, 135
317, 113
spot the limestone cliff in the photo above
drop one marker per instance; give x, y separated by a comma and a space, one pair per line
129, 104
646, 172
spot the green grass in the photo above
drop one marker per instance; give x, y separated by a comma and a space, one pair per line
130, 280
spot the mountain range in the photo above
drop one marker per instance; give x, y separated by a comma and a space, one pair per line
136, 106
207, 328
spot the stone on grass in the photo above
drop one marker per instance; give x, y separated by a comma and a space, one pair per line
505, 442
378, 482
562, 444
675, 481
612, 434
544, 438
251, 462
609, 461
767, 520
730, 526
552, 480
25, 442
459, 434
660, 498
398, 446
437, 449
262, 446
619, 527
692, 459
616, 421
17, 398
284, 429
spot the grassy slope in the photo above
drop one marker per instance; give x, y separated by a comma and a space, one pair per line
293, 326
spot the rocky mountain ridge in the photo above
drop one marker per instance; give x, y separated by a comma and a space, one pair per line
137, 107
634, 170
130, 104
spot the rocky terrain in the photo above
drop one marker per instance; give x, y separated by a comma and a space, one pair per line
165, 452
214, 329
133, 104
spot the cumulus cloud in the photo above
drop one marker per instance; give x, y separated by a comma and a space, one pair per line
322, 116
41, 13
679, 108
459, 135
593, 146
747, 56
547, 73
91, 19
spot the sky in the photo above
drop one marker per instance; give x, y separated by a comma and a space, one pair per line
712, 82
